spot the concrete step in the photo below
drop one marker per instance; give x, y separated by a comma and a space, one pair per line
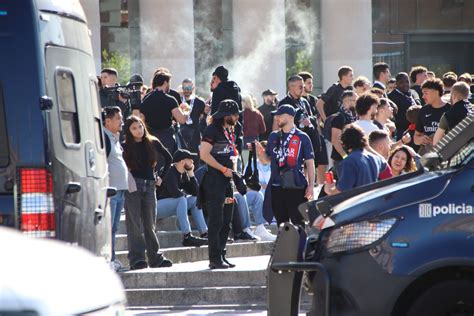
165, 224
248, 272
190, 279
212, 309
195, 284
192, 254
167, 239
171, 224
197, 296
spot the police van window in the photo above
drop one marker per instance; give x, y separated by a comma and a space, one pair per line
67, 106
99, 140
4, 148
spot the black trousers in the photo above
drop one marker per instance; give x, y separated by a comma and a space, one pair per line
140, 217
216, 188
285, 204
166, 137
192, 137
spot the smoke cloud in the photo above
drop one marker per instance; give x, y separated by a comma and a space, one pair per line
260, 46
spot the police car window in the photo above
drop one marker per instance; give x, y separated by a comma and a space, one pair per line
4, 148
67, 106
99, 139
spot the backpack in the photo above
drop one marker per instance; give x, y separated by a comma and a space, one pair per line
327, 129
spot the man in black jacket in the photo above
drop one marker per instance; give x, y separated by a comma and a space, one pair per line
224, 89
306, 120
178, 194
418, 74
381, 77
460, 108
196, 108
403, 97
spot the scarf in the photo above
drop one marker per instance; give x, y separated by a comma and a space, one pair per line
282, 151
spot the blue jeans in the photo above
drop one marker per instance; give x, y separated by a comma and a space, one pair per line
253, 200
117, 203
179, 207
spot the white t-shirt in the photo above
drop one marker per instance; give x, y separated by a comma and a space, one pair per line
367, 126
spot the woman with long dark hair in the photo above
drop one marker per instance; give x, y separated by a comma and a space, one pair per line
401, 161
143, 154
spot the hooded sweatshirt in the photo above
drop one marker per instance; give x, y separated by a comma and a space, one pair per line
226, 90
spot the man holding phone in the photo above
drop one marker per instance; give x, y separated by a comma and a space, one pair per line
288, 151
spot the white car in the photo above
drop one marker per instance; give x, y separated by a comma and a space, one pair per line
47, 277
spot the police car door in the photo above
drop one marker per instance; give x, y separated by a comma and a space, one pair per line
77, 149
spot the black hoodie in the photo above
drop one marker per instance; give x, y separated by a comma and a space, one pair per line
229, 90
457, 113
226, 90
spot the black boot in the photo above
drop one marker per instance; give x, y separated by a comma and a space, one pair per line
224, 259
218, 265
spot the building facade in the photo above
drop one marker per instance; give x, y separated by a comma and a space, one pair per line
260, 42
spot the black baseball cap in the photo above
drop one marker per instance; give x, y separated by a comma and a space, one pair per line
226, 107
182, 154
268, 92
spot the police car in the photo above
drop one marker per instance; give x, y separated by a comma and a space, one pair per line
402, 246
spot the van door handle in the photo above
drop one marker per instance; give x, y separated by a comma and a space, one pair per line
73, 187
99, 214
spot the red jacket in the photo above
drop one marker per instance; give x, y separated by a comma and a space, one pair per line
254, 124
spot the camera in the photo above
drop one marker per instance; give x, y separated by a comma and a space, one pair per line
130, 92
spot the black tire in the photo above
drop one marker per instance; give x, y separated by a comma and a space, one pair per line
452, 297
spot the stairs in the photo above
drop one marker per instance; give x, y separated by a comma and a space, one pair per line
189, 283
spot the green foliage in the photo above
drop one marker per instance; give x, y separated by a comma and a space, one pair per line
120, 62
302, 63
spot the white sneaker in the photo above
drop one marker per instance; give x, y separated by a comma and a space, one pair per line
249, 231
263, 234
116, 265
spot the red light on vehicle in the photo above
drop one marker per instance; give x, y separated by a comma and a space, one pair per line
36, 180
35, 201
38, 221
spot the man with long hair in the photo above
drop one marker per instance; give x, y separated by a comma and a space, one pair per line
219, 152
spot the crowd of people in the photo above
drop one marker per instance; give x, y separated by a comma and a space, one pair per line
172, 153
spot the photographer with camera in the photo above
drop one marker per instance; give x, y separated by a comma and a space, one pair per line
108, 89
127, 97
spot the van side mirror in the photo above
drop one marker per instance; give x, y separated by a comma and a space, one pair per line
46, 103
111, 191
